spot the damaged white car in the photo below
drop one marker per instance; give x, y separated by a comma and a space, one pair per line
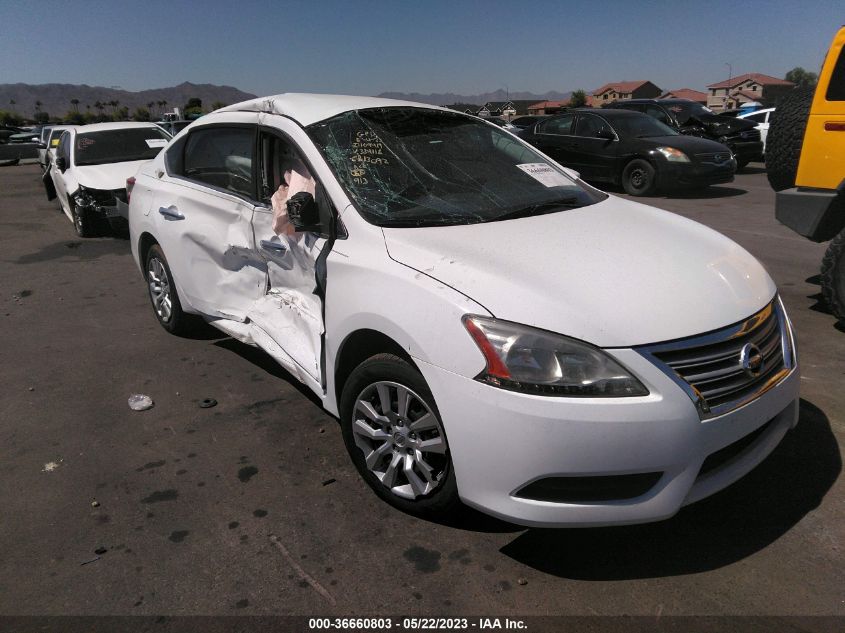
488, 328
90, 167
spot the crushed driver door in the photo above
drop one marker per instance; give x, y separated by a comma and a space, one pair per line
291, 310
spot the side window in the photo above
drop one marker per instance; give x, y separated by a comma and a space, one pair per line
63, 149
658, 113
221, 157
836, 87
590, 126
557, 125
757, 118
282, 175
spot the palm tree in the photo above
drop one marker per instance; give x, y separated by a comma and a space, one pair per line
38, 105
75, 103
150, 105
12, 103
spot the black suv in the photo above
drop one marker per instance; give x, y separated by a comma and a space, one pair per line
693, 119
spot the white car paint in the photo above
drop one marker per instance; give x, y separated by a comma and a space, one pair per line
51, 141
616, 274
762, 118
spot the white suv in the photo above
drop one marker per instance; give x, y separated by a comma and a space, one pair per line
488, 328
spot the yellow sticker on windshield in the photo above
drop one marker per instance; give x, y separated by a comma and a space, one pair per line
54, 142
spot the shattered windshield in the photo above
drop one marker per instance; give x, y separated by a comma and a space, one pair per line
118, 146
417, 167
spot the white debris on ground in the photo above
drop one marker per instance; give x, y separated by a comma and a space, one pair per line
140, 402
51, 466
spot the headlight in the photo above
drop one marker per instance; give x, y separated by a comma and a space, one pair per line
673, 155
525, 359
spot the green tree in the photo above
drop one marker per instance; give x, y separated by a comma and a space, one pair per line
74, 118
141, 114
218, 104
122, 114
578, 99
42, 118
10, 118
802, 78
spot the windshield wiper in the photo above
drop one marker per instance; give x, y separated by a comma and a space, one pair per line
538, 209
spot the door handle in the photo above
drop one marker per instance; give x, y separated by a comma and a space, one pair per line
274, 247
171, 212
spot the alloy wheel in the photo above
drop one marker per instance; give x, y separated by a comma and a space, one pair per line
159, 284
401, 439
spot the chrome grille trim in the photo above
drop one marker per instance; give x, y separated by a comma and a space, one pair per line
708, 367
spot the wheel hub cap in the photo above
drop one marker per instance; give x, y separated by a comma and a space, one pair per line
401, 439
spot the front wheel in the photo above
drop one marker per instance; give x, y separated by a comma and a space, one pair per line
638, 178
833, 276
83, 223
392, 430
163, 295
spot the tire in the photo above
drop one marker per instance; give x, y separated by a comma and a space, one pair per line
49, 187
741, 164
639, 178
83, 223
833, 276
786, 134
163, 295
386, 437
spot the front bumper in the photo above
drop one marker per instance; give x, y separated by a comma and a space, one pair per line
746, 151
817, 214
500, 441
676, 175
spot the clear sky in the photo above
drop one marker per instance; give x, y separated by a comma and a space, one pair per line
369, 47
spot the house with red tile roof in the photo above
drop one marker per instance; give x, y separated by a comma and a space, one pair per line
686, 93
622, 90
547, 107
733, 92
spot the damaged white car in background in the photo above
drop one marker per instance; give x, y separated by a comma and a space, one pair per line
90, 167
488, 328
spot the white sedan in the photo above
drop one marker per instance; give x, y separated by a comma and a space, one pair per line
90, 167
762, 118
488, 328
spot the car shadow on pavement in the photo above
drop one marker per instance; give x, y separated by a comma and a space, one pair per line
76, 250
723, 529
706, 193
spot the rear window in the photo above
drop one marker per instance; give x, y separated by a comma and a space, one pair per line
119, 146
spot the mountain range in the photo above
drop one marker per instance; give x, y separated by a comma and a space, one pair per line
56, 98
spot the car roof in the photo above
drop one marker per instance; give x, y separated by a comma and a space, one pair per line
311, 108
120, 125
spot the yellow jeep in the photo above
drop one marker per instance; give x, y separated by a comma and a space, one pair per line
805, 162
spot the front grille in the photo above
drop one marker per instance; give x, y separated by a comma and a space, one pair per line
720, 371
716, 158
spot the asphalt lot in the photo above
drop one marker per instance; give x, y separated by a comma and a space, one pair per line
226, 510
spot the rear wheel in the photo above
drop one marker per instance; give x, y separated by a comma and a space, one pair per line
163, 295
392, 430
833, 276
639, 178
786, 134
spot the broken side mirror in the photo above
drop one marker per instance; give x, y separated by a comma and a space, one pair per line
61, 163
303, 212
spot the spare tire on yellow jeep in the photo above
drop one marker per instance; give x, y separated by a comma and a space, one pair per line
805, 162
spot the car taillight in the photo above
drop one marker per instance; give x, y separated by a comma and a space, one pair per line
130, 183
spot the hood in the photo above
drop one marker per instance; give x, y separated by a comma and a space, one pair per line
107, 176
723, 126
615, 274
